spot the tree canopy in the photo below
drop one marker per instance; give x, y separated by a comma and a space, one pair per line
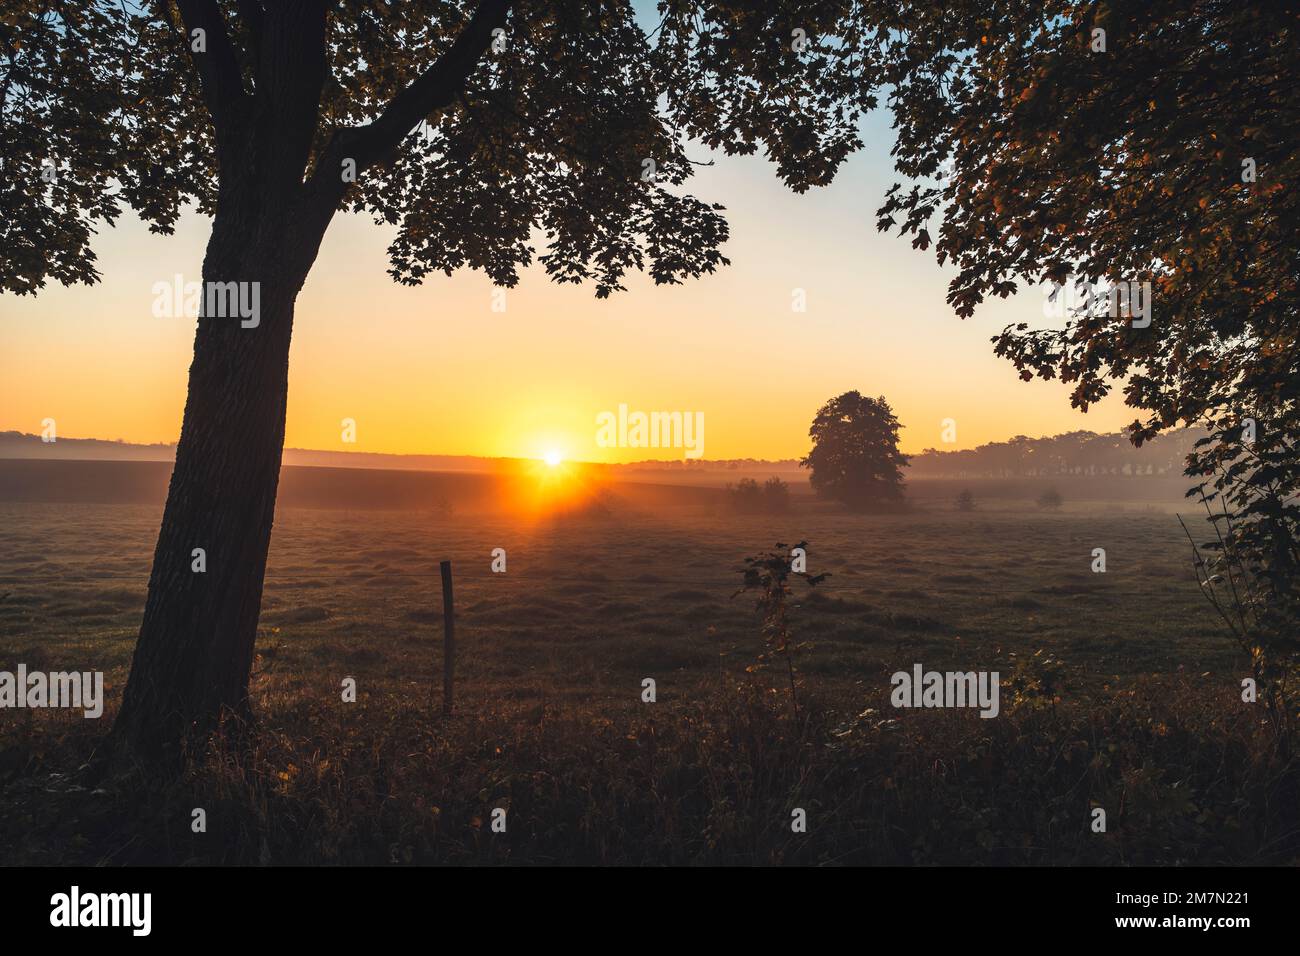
1129, 142
473, 127
855, 458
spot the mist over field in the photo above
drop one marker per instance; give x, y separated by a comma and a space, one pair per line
608, 585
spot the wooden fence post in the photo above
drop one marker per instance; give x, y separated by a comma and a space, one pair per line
448, 637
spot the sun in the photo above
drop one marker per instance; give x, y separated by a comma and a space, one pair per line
552, 458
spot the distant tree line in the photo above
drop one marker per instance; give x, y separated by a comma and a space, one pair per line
710, 464
1081, 453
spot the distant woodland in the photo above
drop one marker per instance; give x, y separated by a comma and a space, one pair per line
1073, 453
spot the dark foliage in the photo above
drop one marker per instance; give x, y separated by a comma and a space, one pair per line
855, 458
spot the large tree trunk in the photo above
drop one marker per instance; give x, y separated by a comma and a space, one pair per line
195, 650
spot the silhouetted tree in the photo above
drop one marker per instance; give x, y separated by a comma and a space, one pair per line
855, 457
1129, 142
473, 128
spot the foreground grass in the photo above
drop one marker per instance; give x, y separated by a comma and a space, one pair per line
551, 727
1186, 775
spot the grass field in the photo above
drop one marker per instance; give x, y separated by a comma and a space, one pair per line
1119, 691
587, 608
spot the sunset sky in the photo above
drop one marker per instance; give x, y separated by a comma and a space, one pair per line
432, 369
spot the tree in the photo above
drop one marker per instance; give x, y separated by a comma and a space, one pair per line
473, 128
855, 458
1148, 146
965, 500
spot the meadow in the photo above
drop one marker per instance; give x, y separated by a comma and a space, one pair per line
1120, 691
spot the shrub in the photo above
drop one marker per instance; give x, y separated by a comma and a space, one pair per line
776, 496
748, 497
1050, 500
769, 575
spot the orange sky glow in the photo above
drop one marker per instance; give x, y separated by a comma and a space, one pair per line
434, 369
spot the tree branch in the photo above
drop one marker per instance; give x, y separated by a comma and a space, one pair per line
376, 141
432, 90
290, 75
218, 68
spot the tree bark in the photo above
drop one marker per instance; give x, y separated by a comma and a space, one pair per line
195, 649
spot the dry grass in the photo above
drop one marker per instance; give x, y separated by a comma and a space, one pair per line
1146, 721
